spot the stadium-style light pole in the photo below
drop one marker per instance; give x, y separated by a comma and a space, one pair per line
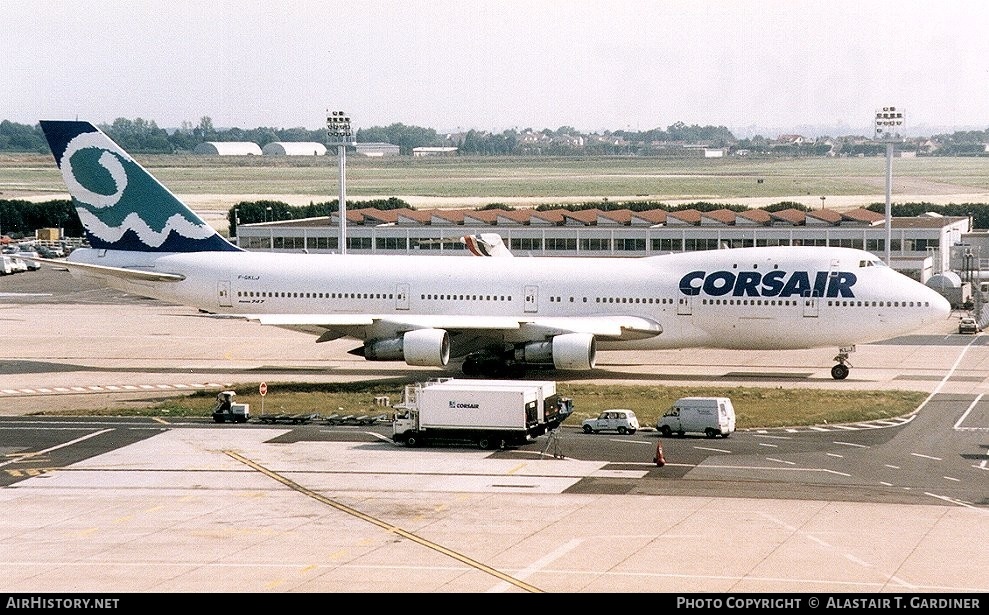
339, 133
889, 127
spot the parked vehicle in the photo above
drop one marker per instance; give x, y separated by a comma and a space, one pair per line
711, 416
49, 252
31, 265
226, 410
488, 415
619, 420
19, 265
967, 324
6, 265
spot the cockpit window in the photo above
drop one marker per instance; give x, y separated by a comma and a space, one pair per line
871, 262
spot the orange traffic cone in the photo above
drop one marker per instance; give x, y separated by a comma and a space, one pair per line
659, 459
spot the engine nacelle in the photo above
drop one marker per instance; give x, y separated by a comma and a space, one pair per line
421, 347
571, 351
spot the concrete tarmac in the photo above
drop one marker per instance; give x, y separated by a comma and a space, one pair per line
232, 509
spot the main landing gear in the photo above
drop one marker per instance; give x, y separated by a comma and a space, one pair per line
492, 366
840, 371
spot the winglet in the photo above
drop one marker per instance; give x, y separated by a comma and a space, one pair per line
120, 204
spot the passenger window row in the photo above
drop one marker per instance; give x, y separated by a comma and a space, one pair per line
297, 295
879, 303
466, 297
779, 302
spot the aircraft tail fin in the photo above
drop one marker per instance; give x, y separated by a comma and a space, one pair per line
120, 204
486, 244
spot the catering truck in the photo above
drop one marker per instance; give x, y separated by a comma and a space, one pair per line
552, 408
488, 414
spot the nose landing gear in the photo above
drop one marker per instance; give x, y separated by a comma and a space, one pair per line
840, 371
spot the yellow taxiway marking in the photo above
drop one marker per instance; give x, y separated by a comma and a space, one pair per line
29, 471
385, 525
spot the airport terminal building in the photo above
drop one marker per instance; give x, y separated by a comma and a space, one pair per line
920, 246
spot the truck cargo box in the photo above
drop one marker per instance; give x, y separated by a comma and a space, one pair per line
489, 413
448, 406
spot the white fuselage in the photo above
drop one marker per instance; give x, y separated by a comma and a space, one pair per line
751, 298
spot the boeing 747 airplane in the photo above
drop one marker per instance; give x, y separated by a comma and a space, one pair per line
491, 316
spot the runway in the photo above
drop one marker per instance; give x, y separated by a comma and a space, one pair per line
148, 506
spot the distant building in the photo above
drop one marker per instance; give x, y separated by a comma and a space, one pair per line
294, 148
228, 148
434, 151
376, 150
920, 246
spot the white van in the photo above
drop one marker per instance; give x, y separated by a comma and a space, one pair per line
711, 416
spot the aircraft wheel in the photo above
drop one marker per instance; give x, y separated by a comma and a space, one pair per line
839, 371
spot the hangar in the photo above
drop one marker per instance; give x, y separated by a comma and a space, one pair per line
228, 148
376, 150
294, 148
419, 152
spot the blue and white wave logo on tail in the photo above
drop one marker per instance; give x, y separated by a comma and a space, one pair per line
120, 204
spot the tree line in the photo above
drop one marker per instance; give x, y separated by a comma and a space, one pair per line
143, 136
146, 137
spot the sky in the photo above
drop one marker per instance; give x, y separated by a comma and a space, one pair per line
755, 66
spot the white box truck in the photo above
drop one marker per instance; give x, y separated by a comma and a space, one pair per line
553, 408
490, 416
711, 416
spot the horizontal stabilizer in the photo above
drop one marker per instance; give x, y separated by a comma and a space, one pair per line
109, 272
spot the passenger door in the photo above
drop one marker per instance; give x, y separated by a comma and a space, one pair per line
401, 296
223, 293
531, 299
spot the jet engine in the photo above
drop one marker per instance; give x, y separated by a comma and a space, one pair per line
422, 347
573, 351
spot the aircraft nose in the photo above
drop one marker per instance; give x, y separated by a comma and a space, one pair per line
940, 307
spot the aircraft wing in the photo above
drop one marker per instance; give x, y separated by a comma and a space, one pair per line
371, 326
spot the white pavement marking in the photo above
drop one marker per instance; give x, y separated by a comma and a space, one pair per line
961, 419
56, 447
40, 391
539, 564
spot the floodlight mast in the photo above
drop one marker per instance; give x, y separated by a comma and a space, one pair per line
889, 130
339, 133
